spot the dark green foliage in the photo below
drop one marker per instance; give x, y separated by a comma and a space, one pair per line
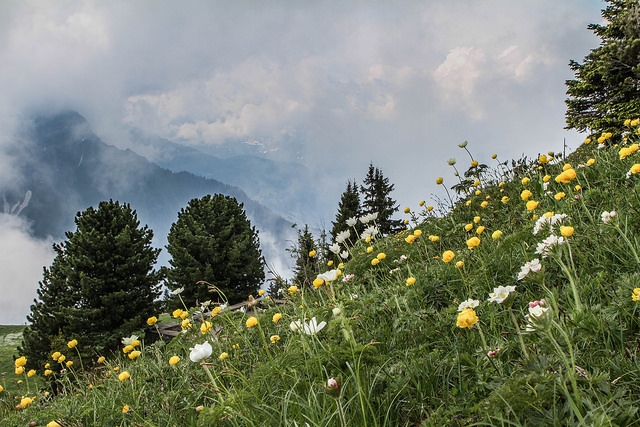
100, 287
605, 90
213, 241
375, 199
307, 267
348, 207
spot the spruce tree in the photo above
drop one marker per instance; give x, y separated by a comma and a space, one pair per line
213, 243
375, 199
101, 286
606, 88
348, 207
306, 267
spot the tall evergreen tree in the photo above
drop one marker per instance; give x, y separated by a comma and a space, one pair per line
376, 198
306, 267
606, 88
213, 241
348, 207
100, 287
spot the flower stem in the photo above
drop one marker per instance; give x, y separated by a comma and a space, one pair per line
515, 322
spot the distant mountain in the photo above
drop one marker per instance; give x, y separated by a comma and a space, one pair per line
284, 187
65, 168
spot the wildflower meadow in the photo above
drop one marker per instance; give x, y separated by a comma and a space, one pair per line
511, 299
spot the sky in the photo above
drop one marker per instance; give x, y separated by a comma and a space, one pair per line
334, 85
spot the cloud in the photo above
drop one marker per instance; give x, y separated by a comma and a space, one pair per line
23, 258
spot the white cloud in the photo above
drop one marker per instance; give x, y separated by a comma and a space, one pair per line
22, 259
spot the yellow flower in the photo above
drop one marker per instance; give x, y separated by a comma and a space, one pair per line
206, 326
20, 361
53, 424
116, 368
31, 373
124, 375
375, 261
434, 239
152, 320
235, 346
493, 156
636, 294
635, 168
47, 372
1, 389
223, 355
330, 263
216, 310
421, 203
72, 343
502, 184
410, 281
505, 199
292, 289
496, 235
473, 242
261, 292
448, 256
560, 195
61, 358
417, 233
627, 151
484, 204
526, 180
566, 230
480, 229
407, 209
459, 264
125, 409
185, 324
177, 313
312, 253
252, 321
381, 256
526, 194
274, 339
467, 203
468, 227
543, 159
587, 141
474, 163
25, 401
317, 282
591, 161
19, 370
439, 180
410, 238
70, 363
55, 355
577, 188
532, 204
174, 360
476, 183
369, 249
467, 318
567, 166
634, 122
276, 317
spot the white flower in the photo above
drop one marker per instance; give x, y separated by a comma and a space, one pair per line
295, 326
533, 265
550, 221
225, 305
243, 309
329, 276
344, 254
335, 248
353, 296
501, 293
470, 303
369, 217
608, 216
177, 291
545, 246
129, 340
537, 314
336, 311
369, 232
332, 383
342, 236
313, 327
200, 352
451, 161
348, 277
352, 221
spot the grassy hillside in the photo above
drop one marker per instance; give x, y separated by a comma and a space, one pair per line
516, 304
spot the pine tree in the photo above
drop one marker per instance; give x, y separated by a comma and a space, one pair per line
213, 242
348, 207
306, 267
375, 191
100, 287
605, 90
